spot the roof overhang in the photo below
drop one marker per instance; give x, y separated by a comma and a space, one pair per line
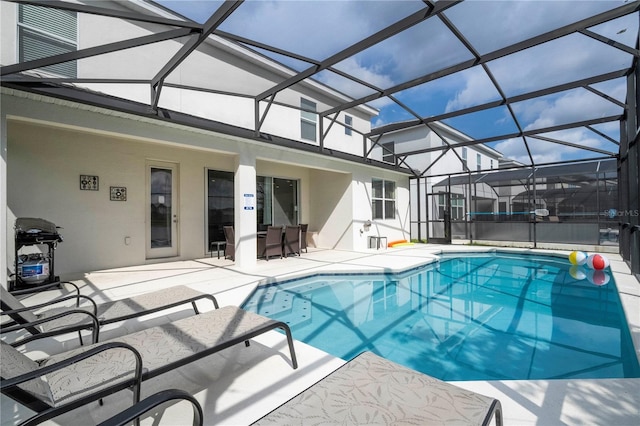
99, 100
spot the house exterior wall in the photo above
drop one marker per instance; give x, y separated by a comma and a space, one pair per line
216, 65
437, 164
50, 143
421, 137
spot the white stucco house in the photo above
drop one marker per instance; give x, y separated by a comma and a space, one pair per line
429, 192
131, 186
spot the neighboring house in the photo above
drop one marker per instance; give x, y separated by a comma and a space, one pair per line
130, 187
428, 187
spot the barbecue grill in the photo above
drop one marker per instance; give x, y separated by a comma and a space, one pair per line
35, 268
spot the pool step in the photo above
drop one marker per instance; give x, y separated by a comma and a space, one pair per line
292, 309
276, 305
298, 316
281, 307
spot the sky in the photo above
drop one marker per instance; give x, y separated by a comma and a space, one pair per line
317, 29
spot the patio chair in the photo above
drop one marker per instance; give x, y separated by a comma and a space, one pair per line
69, 383
230, 239
303, 236
370, 389
151, 402
61, 320
291, 240
94, 389
273, 242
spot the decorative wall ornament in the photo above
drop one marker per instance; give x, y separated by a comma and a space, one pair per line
88, 183
118, 193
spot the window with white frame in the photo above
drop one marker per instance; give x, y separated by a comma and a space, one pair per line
478, 162
308, 119
44, 32
456, 205
383, 199
389, 152
348, 124
491, 163
464, 157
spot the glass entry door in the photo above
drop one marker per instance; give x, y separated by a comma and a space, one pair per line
162, 210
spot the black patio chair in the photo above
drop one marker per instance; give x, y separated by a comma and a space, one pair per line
291, 240
273, 242
230, 239
303, 236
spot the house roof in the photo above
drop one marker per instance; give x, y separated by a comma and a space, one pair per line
538, 76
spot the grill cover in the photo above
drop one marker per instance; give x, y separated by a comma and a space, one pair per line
31, 230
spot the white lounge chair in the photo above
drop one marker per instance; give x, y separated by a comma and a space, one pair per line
372, 390
48, 320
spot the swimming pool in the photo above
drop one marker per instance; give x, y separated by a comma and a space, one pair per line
477, 316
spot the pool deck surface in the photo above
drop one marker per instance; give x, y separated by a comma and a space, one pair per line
239, 385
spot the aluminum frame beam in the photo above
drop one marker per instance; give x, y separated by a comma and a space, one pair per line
222, 13
198, 33
113, 13
499, 53
500, 102
411, 20
95, 51
531, 133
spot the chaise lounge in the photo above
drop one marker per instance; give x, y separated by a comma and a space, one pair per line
372, 390
60, 320
150, 403
74, 378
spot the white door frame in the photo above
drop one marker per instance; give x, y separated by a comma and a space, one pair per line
162, 241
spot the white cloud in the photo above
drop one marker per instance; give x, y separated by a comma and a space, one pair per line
573, 106
516, 150
545, 152
477, 89
514, 21
556, 62
353, 67
319, 29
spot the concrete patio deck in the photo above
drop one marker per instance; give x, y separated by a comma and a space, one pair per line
239, 385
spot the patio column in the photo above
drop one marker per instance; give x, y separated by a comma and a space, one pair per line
245, 209
3, 200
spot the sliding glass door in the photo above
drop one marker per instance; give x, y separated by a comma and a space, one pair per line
277, 201
220, 208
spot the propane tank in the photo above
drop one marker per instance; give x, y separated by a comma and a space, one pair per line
33, 268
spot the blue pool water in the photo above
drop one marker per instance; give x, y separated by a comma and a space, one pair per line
490, 316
